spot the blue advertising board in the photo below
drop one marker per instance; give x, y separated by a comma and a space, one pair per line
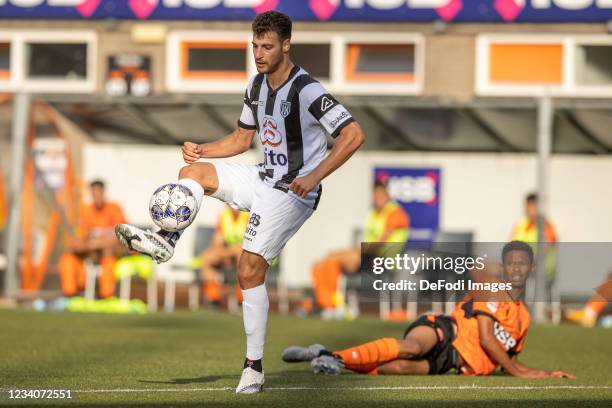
417, 190
316, 10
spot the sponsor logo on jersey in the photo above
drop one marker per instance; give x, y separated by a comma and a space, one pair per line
269, 134
326, 103
335, 122
285, 108
254, 222
273, 158
503, 336
257, 103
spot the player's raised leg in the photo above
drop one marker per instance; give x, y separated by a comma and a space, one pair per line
173, 208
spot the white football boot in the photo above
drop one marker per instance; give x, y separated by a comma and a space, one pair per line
251, 382
146, 242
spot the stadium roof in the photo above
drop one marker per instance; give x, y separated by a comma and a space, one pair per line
390, 123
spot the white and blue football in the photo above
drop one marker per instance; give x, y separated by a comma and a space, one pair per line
172, 207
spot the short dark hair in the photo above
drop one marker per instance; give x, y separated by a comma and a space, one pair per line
97, 183
272, 21
517, 246
532, 198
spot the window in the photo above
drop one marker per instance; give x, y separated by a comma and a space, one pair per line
5, 60
512, 65
526, 63
380, 62
594, 64
56, 60
314, 58
214, 60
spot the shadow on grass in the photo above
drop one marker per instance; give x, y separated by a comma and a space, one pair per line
197, 380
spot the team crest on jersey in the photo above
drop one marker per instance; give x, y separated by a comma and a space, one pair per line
285, 108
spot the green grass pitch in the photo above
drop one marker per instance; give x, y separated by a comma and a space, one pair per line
194, 359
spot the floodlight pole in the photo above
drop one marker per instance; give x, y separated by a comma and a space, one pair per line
545, 129
21, 108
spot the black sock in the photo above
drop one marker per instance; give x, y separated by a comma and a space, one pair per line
171, 236
254, 364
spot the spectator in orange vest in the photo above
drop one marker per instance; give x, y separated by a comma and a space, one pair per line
94, 239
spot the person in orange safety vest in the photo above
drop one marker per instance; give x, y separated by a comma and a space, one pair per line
386, 222
94, 239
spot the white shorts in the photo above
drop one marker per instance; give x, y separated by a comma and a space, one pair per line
275, 216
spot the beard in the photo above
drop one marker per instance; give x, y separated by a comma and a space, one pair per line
272, 66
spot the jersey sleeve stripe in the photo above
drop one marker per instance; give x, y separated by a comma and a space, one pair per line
254, 97
323, 104
245, 126
468, 308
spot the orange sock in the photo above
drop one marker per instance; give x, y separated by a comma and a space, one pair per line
366, 357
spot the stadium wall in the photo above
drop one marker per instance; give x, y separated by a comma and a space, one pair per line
482, 193
449, 50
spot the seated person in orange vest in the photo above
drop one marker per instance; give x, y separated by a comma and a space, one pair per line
588, 315
527, 231
223, 251
484, 331
94, 239
386, 222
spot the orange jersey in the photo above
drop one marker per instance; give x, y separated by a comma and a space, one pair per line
100, 221
511, 321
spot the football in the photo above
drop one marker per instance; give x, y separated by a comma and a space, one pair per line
172, 207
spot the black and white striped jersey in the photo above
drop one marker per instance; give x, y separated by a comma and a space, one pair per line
292, 122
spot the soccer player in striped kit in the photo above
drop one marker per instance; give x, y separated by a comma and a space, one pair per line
292, 114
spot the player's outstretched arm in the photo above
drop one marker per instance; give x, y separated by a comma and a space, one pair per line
554, 373
510, 365
347, 143
233, 144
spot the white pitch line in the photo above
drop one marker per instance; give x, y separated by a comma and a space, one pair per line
406, 388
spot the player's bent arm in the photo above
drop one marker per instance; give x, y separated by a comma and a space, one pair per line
490, 344
351, 137
239, 141
233, 144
